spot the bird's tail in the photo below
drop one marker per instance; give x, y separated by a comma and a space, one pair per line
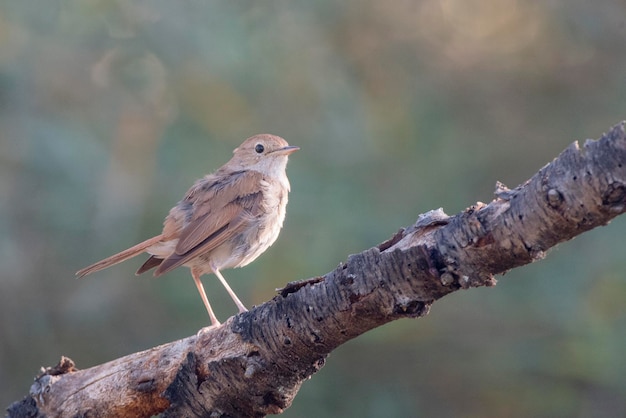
119, 257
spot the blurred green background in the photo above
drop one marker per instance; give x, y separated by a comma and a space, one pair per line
109, 110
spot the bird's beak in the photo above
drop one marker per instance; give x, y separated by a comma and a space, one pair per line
286, 150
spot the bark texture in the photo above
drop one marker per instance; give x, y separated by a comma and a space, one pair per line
254, 364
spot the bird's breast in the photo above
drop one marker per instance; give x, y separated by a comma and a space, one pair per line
264, 231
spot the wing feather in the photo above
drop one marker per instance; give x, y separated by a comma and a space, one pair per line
220, 210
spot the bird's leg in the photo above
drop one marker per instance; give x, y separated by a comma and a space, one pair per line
230, 291
196, 278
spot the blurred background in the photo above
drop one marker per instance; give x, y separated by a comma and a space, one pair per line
109, 110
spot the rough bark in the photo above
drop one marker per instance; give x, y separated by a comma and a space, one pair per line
254, 364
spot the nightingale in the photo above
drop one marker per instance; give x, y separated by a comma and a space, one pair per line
226, 219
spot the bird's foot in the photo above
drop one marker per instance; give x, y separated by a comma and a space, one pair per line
207, 329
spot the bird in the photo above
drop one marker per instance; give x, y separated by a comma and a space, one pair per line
225, 220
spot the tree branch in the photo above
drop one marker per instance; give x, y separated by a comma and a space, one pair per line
254, 363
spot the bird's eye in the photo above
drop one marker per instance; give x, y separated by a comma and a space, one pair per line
259, 148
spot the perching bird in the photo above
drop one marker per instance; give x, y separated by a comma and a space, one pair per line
226, 219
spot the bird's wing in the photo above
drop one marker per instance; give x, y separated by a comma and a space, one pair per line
220, 210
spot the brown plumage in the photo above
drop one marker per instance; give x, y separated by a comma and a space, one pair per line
226, 219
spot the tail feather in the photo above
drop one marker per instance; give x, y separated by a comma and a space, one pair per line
149, 264
119, 257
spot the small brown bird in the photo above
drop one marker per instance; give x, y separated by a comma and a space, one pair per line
226, 219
